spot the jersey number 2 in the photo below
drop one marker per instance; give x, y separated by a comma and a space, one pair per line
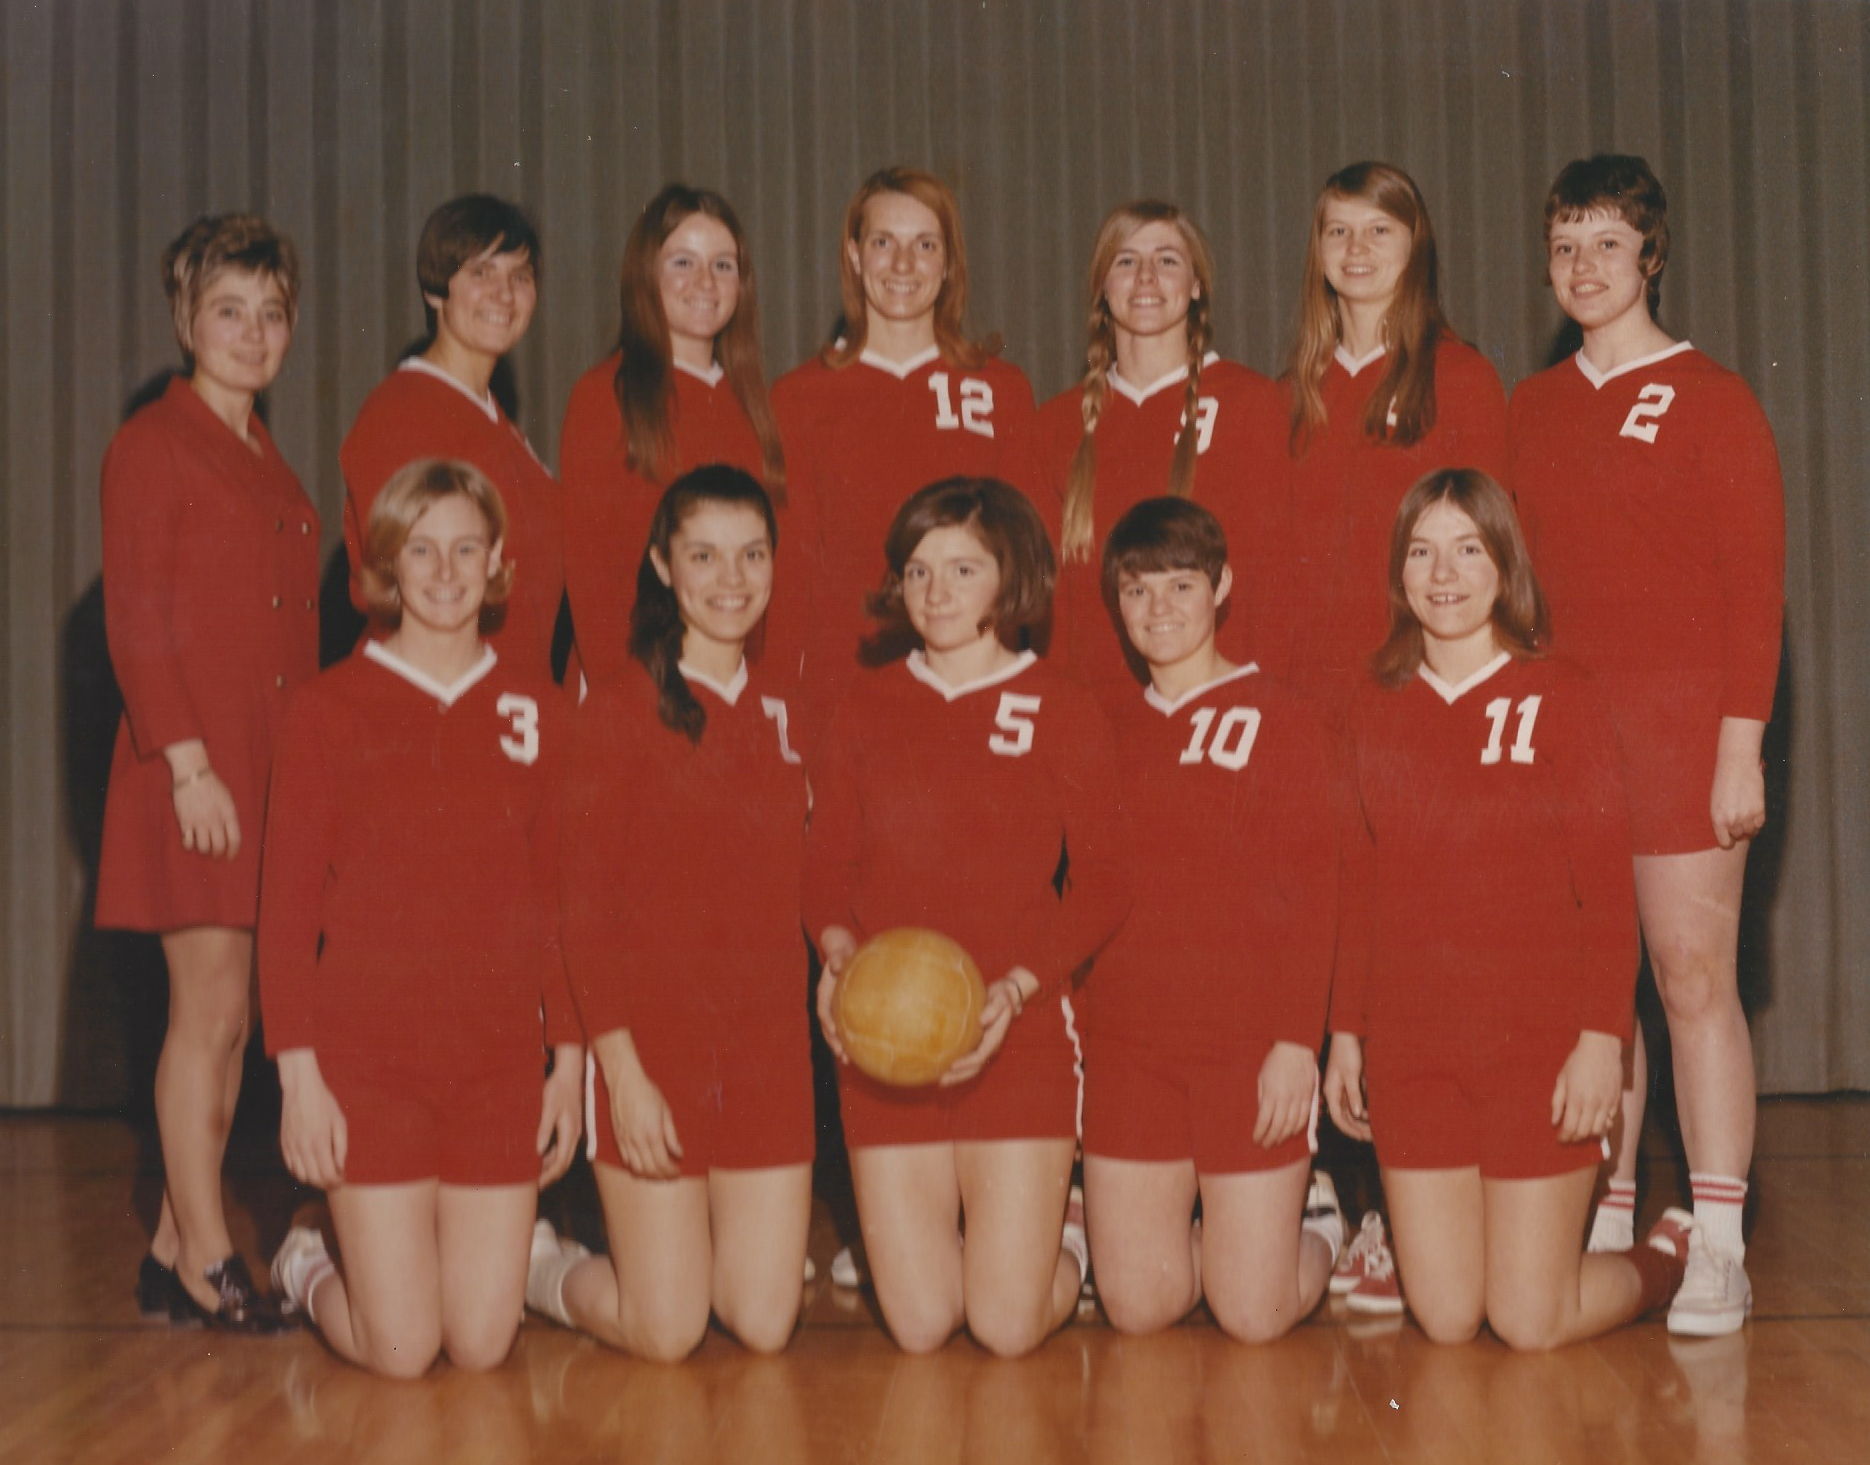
1232, 743
522, 745
1651, 403
976, 414
1498, 711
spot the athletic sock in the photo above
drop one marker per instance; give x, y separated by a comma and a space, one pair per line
1719, 1201
1613, 1227
1660, 1267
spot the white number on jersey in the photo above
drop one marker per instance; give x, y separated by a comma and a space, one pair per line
976, 414
1498, 711
1014, 719
1232, 743
1207, 409
523, 745
1651, 403
775, 708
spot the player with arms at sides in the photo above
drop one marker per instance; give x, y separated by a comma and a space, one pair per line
1382, 392
1204, 1016
1156, 412
701, 1098
211, 607
478, 265
409, 944
1486, 968
1651, 490
950, 785
683, 388
901, 398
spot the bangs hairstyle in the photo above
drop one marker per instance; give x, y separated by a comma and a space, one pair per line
1078, 532
1411, 330
1005, 522
645, 383
410, 491
1519, 616
656, 625
464, 229
1164, 534
212, 245
1622, 186
950, 304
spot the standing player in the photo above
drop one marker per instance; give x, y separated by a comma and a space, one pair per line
211, 604
1652, 495
684, 387
1157, 412
1484, 989
1382, 392
478, 265
901, 398
408, 941
1203, 1024
951, 785
686, 974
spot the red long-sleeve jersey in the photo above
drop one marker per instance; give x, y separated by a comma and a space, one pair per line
1232, 863
949, 808
1489, 891
1652, 501
1240, 476
1345, 490
681, 863
859, 440
418, 411
413, 834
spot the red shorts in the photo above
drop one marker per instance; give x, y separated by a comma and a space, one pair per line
461, 1126
1029, 1090
1147, 1104
736, 1105
1440, 1106
1668, 732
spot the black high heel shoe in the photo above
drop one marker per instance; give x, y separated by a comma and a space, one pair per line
155, 1288
240, 1308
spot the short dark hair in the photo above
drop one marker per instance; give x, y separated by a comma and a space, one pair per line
1004, 520
1623, 185
465, 228
1164, 534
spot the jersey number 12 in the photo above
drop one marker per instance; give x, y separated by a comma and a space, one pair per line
976, 414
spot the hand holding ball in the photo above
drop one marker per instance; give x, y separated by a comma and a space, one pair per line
908, 1005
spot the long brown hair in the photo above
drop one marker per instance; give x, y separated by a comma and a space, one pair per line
951, 337
1520, 624
1402, 409
1078, 533
645, 383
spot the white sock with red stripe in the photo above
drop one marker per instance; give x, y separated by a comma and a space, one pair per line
1719, 1200
1613, 1228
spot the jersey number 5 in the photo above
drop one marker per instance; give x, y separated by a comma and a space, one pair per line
1014, 719
1651, 403
522, 746
976, 414
1232, 743
1498, 711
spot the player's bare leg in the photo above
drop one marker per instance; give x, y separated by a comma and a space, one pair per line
1261, 1274
383, 1311
1020, 1284
482, 1233
909, 1208
1438, 1230
650, 1295
760, 1221
1145, 1248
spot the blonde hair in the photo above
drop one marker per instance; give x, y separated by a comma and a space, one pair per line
207, 249
412, 489
1078, 531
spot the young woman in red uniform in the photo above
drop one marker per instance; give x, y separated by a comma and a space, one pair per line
684, 387
701, 1102
1382, 391
1157, 412
1483, 992
478, 265
1204, 1017
1651, 489
408, 944
951, 784
211, 604
901, 398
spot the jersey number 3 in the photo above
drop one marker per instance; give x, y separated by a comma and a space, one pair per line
1642, 423
522, 744
976, 414
1015, 721
1498, 711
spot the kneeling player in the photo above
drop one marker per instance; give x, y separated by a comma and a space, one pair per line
1205, 1015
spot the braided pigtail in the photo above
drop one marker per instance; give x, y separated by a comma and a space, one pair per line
1188, 442
1077, 531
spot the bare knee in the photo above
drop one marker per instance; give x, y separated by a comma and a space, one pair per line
479, 1350
667, 1333
1527, 1330
1251, 1322
1133, 1307
1006, 1331
762, 1326
403, 1350
1447, 1324
919, 1324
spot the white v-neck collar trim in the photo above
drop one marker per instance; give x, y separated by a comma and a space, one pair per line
1355, 364
1140, 395
489, 408
712, 376
448, 694
929, 677
1163, 705
1599, 378
728, 691
1453, 694
901, 370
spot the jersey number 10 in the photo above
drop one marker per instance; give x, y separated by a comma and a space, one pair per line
1232, 741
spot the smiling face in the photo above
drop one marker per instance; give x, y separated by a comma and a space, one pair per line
1151, 282
698, 274
239, 334
444, 565
951, 584
1450, 580
1595, 264
489, 305
720, 568
1169, 615
900, 256
1364, 250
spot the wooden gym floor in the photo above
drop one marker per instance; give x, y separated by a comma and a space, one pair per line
82, 1379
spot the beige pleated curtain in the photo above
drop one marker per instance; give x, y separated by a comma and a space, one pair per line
346, 122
